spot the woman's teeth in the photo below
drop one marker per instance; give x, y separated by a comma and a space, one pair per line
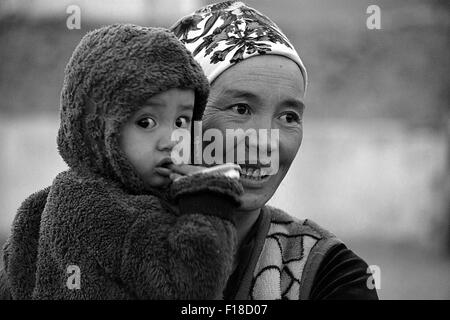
252, 173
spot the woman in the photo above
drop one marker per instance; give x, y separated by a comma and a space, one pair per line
258, 81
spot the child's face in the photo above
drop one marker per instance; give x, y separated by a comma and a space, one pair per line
146, 137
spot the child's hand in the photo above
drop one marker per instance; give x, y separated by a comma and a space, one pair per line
180, 170
230, 170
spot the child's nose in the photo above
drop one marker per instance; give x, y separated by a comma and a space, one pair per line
165, 143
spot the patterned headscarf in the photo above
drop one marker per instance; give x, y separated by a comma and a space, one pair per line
222, 34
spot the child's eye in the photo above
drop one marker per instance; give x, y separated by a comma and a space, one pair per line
182, 122
290, 117
146, 123
241, 108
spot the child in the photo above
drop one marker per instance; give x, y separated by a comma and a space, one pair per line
108, 228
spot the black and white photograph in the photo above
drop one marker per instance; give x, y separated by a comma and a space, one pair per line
197, 150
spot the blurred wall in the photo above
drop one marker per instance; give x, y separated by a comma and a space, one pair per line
137, 11
370, 179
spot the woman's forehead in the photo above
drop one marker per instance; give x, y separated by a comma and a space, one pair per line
261, 76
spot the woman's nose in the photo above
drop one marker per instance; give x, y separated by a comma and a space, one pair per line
267, 140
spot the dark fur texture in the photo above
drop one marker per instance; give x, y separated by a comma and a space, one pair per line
112, 72
129, 241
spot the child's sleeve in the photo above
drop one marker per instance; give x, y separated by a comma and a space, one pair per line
5, 293
185, 256
209, 194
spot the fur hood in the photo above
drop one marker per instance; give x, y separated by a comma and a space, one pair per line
105, 84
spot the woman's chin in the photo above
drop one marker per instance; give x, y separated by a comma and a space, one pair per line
257, 192
252, 200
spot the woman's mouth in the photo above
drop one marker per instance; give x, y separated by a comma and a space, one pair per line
254, 175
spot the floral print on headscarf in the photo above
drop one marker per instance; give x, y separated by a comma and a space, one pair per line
222, 34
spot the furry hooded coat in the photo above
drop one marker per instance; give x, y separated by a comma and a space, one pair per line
125, 240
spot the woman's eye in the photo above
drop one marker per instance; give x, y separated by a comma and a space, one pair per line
290, 117
241, 108
182, 122
146, 123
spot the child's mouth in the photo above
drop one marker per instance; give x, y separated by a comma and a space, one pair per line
162, 167
163, 171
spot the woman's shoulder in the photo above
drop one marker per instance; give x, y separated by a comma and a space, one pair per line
294, 225
312, 241
289, 250
331, 270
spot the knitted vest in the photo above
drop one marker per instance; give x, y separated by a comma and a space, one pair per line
285, 259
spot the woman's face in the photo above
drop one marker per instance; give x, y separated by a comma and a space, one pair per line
263, 92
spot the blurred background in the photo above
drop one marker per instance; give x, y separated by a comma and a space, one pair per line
374, 166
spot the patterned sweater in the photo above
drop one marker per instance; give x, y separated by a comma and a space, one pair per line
296, 259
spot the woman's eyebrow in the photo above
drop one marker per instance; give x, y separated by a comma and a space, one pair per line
294, 103
188, 107
236, 93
